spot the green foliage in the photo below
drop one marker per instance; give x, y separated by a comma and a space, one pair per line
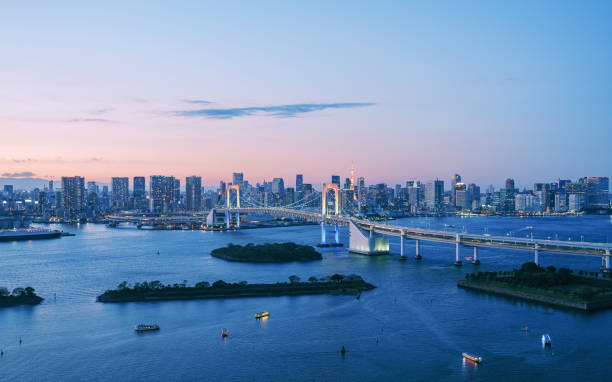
277, 252
294, 279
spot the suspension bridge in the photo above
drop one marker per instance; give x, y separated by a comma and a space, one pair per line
365, 236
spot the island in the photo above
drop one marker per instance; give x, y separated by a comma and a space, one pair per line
157, 291
19, 296
545, 285
267, 253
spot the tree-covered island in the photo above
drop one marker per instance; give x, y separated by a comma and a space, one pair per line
19, 296
546, 285
267, 253
157, 291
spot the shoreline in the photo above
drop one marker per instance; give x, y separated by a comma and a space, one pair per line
241, 291
554, 300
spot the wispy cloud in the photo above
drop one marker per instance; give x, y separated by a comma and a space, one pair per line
22, 160
24, 174
101, 111
86, 120
280, 111
197, 101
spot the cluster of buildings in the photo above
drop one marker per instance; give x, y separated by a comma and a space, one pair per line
75, 199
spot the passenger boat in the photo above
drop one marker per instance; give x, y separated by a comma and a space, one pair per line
146, 328
224, 333
261, 315
546, 340
472, 358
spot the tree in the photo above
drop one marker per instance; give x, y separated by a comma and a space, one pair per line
337, 277
18, 292
219, 284
202, 285
312, 279
294, 279
243, 283
122, 286
4, 292
29, 291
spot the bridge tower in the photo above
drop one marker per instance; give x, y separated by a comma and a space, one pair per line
325, 214
229, 205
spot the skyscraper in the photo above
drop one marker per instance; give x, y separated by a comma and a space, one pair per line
454, 180
434, 194
299, 183
193, 193
73, 196
162, 193
335, 179
598, 192
238, 179
278, 186
509, 184
140, 198
120, 194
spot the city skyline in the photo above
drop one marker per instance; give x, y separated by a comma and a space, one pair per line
409, 93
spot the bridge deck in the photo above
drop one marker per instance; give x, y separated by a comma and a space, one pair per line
470, 240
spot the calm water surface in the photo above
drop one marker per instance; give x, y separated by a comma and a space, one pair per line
421, 319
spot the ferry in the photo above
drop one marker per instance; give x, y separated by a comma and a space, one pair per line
28, 234
224, 333
546, 340
472, 358
146, 328
261, 315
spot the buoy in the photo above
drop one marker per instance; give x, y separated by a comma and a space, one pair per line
343, 350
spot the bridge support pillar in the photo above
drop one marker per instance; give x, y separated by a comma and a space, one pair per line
536, 260
475, 260
238, 220
402, 257
336, 234
457, 262
605, 262
323, 233
227, 219
417, 255
367, 242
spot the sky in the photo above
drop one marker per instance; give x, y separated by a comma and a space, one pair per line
404, 90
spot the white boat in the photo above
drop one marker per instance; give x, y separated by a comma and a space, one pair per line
546, 340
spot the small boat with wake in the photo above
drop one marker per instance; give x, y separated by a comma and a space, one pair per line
224, 333
146, 328
546, 341
261, 315
472, 358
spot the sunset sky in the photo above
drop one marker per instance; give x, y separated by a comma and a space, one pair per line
405, 90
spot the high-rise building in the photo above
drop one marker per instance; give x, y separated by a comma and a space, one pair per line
51, 186
335, 179
92, 188
461, 197
454, 180
434, 194
176, 192
278, 186
193, 193
140, 194
509, 184
238, 179
73, 196
299, 183
120, 192
598, 192
161, 190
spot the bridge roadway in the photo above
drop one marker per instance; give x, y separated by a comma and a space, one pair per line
464, 239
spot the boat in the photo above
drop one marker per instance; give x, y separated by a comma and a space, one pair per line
546, 340
468, 259
146, 328
224, 333
261, 315
472, 358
